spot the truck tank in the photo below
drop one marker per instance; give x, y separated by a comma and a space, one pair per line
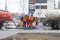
53, 15
53, 19
7, 15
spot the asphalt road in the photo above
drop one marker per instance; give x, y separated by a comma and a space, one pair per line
39, 29
34, 36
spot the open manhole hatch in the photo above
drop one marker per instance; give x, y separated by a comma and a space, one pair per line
33, 36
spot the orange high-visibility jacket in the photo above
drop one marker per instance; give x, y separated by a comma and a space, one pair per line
31, 18
24, 19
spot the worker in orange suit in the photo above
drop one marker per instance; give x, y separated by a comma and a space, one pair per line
30, 21
25, 21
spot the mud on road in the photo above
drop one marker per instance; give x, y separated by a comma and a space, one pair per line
32, 36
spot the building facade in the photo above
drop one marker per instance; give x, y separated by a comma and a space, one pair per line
40, 7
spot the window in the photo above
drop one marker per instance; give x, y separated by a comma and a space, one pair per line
38, 1
41, 1
32, 1
31, 6
44, 7
31, 10
37, 7
58, 4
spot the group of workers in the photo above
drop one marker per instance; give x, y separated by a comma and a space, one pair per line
27, 21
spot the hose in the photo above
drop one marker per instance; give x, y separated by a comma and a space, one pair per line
14, 23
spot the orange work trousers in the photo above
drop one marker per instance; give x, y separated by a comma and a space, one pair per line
29, 24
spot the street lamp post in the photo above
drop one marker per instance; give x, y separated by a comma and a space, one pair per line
5, 5
23, 6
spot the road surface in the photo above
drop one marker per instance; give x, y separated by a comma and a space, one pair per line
34, 36
39, 29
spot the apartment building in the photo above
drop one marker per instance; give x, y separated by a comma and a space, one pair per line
40, 7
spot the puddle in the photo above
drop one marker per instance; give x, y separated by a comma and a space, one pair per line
38, 36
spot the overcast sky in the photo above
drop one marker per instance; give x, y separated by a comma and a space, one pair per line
12, 5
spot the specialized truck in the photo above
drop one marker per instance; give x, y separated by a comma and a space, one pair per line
9, 22
6, 15
53, 19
